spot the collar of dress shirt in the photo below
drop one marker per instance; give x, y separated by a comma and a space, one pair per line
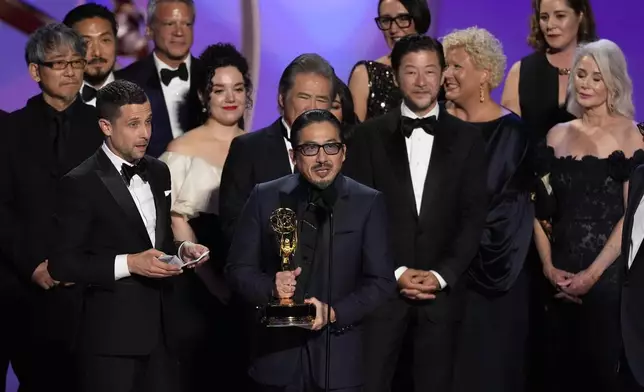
110, 79
116, 160
288, 129
161, 65
407, 112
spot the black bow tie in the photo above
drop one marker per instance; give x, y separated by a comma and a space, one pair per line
409, 124
128, 171
88, 93
181, 73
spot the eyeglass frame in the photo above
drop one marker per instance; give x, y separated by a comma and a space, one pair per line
51, 64
300, 148
395, 19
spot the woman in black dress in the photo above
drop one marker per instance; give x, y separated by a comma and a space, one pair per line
492, 336
535, 87
372, 82
586, 165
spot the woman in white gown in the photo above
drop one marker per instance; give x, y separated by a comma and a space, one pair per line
196, 160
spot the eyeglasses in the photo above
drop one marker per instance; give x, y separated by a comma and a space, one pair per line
403, 21
62, 64
312, 149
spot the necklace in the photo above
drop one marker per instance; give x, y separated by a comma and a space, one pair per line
563, 71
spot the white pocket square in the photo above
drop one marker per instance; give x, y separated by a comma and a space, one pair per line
167, 193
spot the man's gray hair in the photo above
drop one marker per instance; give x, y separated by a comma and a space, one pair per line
152, 8
50, 38
612, 65
310, 63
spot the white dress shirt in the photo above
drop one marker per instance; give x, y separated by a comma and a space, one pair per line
419, 151
144, 200
637, 234
288, 143
174, 93
110, 79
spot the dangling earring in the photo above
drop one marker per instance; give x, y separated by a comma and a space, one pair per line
481, 95
204, 110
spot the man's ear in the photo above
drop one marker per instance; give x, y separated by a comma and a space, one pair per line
291, 154
106, 127
34, 72
280, 103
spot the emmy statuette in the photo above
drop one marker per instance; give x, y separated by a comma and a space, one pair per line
285, 312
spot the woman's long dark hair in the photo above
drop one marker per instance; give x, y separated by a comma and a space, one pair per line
349, 117
587, 29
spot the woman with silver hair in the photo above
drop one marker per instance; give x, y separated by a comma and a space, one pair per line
492, 336
586, 165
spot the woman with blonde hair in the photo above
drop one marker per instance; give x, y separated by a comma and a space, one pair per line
586, 165
493, 332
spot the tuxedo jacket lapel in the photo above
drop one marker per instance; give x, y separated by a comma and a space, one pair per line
276, 149
292, 197
114, 183
629, 217
160, 204
342, 208
438, 165
155, 95
397, 153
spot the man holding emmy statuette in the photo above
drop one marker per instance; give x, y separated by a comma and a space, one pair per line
311, 251
115, 241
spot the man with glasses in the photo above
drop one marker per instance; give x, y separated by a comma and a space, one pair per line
338, 222
52, 134
306, 83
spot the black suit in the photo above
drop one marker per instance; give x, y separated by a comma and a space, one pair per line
124, 320
145, 74
362, 283
444, 238
39, 323
253, 158
632, 316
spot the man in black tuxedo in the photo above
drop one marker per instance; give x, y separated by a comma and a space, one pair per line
306, 83
431, 168
332, 211
170, 74
631, 366
41, 142
97, 25
113, 226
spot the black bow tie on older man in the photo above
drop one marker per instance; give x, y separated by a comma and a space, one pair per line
426, 124
167, 75
128, 171
88, 93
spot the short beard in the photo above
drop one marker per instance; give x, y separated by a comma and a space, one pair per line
322, 184
98, 79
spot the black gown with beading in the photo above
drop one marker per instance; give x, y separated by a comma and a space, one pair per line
383, 93
583, 341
